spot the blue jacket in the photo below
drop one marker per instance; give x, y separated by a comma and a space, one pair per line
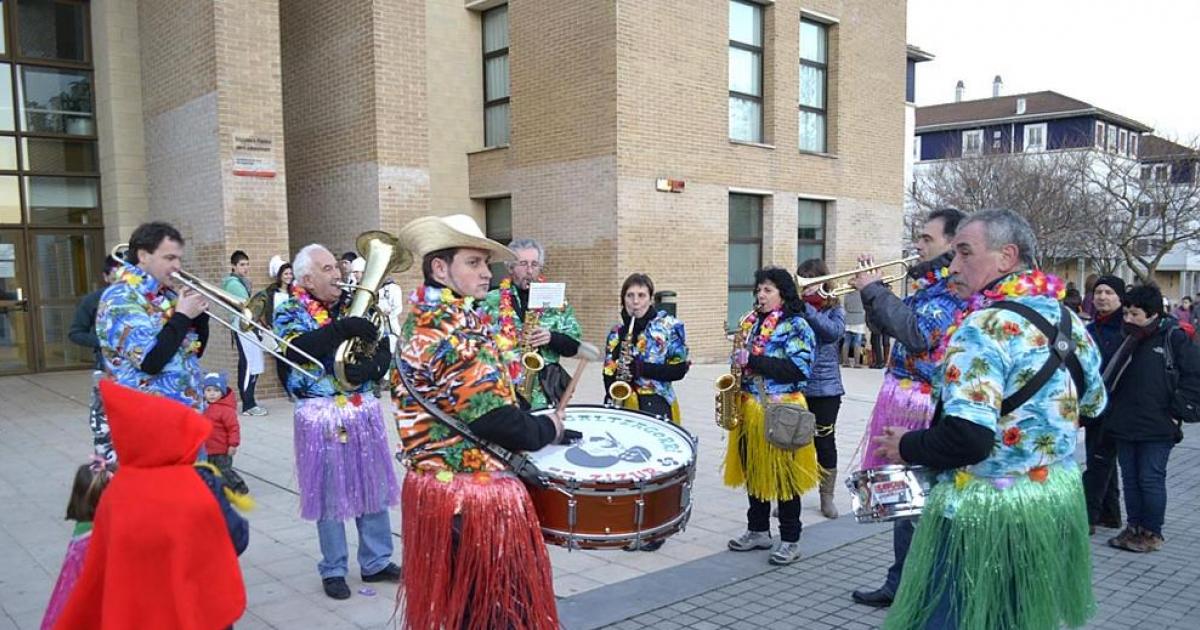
1108, 333
828, 325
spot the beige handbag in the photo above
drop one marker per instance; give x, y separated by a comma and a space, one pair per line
789, 426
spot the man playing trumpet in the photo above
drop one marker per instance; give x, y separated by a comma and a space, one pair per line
151, 333
918, 323
550, 333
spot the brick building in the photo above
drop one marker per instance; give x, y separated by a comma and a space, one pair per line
264, 125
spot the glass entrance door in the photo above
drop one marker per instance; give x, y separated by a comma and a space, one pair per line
16, 352
63, 270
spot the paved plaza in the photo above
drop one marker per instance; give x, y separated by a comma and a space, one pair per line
692, 582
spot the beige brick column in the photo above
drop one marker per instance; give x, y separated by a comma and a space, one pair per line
211, 92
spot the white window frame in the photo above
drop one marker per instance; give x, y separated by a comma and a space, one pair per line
1133, 144
972, 133
1122, 142
1110, 142
1025, 146
1099, 134
916, 148
1162, 173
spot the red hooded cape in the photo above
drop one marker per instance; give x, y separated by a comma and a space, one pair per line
160, 556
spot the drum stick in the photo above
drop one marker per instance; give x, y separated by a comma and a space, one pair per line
587, 352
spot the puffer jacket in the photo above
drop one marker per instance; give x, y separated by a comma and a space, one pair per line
829, 325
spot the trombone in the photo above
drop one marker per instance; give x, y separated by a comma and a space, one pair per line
243, 312
846, 288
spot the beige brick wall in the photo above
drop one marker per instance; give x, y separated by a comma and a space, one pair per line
454, 74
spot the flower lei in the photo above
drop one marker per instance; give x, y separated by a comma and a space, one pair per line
615, 340
931, 277
758, 345
1019, 284
313, 307
161, 301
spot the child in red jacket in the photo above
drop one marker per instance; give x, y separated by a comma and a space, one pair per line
226, 435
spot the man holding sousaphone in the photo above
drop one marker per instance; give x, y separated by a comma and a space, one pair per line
472, 542
344, 464
531, 340
918, 323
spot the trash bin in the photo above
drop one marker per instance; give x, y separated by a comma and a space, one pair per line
665, 301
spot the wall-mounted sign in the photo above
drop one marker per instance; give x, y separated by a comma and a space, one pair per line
253, 154
668, 185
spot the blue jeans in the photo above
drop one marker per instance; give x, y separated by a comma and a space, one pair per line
1144, 473
902, 535
374, 545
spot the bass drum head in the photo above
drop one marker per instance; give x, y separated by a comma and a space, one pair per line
617, 445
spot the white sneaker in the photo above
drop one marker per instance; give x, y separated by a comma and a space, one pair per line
255, 411
750, 541
786, 553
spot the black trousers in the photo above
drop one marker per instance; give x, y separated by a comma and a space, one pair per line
879, 345
825, 408
282, 370
1100, 476
758, 518
246, 382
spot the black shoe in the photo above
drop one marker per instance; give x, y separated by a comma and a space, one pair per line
653, 546
879, 598
390, 573
336, 587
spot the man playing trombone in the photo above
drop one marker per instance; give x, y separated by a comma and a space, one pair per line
151, 332
918, 323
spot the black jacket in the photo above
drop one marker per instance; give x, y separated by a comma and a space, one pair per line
1139, 407
1107, 332
83, 325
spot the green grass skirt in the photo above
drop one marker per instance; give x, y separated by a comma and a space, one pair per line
1017, 558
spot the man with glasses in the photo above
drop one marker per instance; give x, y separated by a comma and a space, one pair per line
551, 332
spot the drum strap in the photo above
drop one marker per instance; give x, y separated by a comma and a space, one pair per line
1062, 351
520, 465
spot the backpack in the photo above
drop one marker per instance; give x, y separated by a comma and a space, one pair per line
1183, 407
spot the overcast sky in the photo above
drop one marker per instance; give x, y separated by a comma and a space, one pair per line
1135, 58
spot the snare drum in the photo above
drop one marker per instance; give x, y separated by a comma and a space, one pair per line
888, 493
628, 480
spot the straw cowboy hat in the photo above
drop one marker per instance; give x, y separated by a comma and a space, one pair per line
430, 234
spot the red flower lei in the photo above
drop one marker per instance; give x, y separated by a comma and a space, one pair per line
314, 307
1026, 283
758, 345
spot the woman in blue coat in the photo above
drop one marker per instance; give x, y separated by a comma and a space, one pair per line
824, 389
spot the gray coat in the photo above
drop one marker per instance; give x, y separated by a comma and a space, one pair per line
828, 326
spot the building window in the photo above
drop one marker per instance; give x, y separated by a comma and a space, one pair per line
497, 225
53, 30
1035, 138
745, 254
1162, 172
917, 149
745, 71
495, 77
1133, 144
810, 236
1099, 135
1145, 174
56, 101
814, 75
972, 142
1111, 144
1122, 141
997, 141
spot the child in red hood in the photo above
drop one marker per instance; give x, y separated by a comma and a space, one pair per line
226, 436
165, 540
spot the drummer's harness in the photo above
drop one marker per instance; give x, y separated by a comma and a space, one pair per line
518, 463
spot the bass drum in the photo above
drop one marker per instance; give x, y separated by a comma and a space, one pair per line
628, 480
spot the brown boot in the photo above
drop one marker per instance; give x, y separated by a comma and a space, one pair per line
1130, 539
828, 509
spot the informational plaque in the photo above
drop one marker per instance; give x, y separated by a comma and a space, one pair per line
547, 294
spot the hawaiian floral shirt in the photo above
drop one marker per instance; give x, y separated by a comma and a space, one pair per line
778, 337
989, 356
297, 315
663, 341
453, 360
129, 317
935, 306
501, 306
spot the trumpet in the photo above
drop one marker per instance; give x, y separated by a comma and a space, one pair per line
622, 388
246, 321
846, 288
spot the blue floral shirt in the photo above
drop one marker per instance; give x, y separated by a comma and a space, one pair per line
292, 319
792, 339
663, 341
129, 317
935, 306
990, 356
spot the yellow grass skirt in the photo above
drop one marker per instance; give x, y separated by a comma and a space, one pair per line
632, 403
768, 473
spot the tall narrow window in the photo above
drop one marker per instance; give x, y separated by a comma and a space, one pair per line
745, 254
810, 238
745, 71
497, 225
814, 75
495, 77
1035, 138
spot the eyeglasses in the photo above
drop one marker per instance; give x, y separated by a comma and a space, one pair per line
528, 264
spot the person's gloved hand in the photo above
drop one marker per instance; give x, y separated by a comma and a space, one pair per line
382, 361
360, 327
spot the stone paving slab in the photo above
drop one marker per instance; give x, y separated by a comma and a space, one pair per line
1145, 591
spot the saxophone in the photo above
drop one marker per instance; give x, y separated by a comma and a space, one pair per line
728, 386
530, 359
622, 388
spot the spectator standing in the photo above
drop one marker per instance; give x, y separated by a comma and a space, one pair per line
250, 356
856, 329
83, 333
1100, 476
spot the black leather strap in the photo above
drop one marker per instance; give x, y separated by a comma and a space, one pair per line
1062, 351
